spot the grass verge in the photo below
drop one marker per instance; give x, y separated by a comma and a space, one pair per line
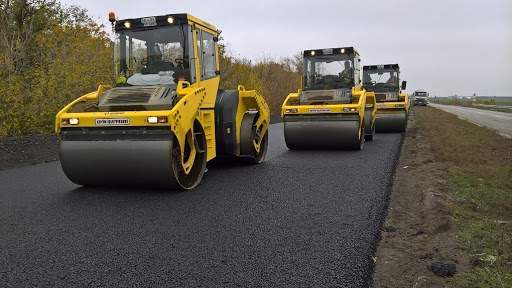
479, 178
451, 201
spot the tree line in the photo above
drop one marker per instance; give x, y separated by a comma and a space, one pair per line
51, 54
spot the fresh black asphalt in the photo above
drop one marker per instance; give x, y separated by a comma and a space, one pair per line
301, 219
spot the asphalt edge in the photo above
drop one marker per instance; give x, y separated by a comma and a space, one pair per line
385, 210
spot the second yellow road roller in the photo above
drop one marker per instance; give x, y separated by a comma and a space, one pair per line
392, 102
332, 110
165, 117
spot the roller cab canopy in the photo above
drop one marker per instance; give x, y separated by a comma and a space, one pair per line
331, 51
381, 78
160, 21
384, 80
331, 69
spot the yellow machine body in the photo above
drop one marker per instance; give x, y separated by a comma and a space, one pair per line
330, 124
392, 112
198, 108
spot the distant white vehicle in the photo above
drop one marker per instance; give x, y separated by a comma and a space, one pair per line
420, 98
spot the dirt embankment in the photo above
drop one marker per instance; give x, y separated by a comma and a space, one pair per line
446, 189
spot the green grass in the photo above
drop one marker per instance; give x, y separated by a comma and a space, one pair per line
482, 210
483, 278
503, 101
479, 182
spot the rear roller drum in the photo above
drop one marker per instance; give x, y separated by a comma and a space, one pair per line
369, 130
191, 179
359, 145
253, 145
369, 136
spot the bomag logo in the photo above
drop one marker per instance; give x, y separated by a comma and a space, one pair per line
112, 122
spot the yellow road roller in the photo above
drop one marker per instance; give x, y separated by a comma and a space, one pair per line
392, 103
331, 110
165, 117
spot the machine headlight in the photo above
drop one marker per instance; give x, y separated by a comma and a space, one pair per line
127, 25
349, 110
69, 121
313, 53
170, 20
157, 119
342, 50
152, 120
292, 110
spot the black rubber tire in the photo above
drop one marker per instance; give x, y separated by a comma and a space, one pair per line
193, 178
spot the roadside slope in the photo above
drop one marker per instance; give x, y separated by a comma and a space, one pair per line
449, 204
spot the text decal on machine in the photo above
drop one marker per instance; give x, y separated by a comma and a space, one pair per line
319, 110
148, 21
112, 122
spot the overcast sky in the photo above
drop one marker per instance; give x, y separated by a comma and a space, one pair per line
444, 46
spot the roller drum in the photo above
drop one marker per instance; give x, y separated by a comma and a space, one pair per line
391, 122
119, 163
327, 133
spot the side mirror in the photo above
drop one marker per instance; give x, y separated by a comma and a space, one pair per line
216, 39
404, 85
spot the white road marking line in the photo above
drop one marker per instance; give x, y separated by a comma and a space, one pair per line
505, 135
475, 123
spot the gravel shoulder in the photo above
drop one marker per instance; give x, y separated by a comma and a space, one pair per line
22, 151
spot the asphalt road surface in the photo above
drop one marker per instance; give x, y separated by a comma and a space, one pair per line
301, 219
499, 121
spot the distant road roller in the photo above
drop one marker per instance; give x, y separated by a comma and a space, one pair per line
332, 110
392, 103
165, 117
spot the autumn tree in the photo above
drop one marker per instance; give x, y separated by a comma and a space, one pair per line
49, 55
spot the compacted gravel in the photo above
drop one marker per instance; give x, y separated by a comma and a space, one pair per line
301, 219
27, 150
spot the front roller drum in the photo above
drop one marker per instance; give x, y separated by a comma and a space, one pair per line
323, 134
131, 163
391, 122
